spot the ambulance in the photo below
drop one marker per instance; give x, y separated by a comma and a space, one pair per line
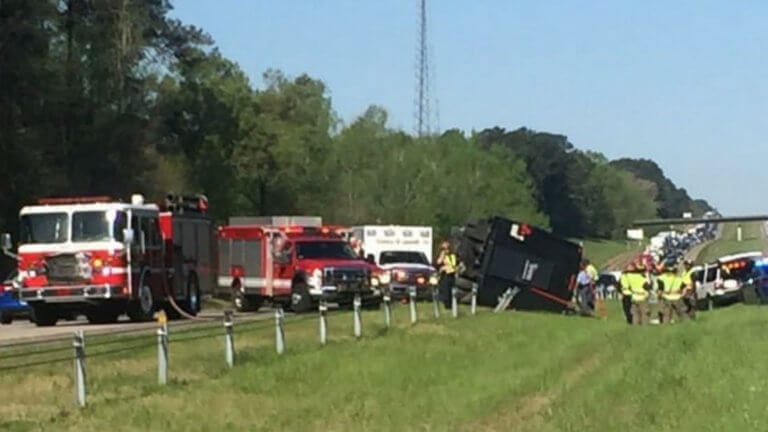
405, 252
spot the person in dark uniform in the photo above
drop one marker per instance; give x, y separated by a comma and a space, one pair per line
446, 263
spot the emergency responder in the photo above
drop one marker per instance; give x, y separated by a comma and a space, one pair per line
584, 290
446, 262
655, 303
671, 285
635, 286
626, 291
689, 289
593, 275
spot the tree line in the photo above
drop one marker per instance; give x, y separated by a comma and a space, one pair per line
115, 97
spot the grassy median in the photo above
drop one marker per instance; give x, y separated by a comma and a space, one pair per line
513, 371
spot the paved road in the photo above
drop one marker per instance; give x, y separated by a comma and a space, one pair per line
24, 331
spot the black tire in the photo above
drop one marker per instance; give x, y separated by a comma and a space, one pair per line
6, 317
244, 303
44, 316
143, 308
102, 316
749, 295
301, 301
192, 303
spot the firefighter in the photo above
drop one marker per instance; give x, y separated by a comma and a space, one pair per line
626, 291
655, 303
446, 261
689, 289
637, 282
672, 294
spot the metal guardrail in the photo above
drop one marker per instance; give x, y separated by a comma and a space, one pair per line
29, 354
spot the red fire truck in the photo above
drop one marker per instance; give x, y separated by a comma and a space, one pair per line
102, 257
293, 261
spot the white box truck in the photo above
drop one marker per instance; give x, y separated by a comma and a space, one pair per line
404, 251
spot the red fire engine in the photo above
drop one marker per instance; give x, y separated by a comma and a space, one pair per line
294, 261
102, 258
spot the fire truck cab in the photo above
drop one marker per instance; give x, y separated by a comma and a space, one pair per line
293, 261
104, 258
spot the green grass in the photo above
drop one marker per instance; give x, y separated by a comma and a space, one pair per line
600, 252
753, 239
513, 371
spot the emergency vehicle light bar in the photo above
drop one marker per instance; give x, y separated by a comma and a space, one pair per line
74, 200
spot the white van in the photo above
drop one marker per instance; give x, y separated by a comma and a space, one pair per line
720, 282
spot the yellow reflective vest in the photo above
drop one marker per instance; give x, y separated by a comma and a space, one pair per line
449, 263
633, 284
673, 286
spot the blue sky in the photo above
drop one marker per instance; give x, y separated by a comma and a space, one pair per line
682, 82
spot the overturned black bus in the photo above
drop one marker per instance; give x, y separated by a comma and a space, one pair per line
534, 268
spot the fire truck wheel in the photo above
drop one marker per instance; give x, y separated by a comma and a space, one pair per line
244, 303
192, 302
301, 301
44, 316
142, 309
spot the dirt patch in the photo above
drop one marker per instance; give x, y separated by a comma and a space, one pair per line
531, 410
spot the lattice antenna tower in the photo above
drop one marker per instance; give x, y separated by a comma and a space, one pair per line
423, 115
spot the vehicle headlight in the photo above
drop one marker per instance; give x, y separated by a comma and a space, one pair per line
433, 280
374, 281
385, 278
316, 278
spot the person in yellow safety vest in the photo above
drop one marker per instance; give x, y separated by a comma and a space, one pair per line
446, 262
626, 291
689, 289
634, 285
672, 294
593, 274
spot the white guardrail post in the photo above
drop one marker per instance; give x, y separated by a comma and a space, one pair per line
322, 308
162, 349
279, 333
356, 305
78, 343
412, 304
229, 339
455, 302
387, 310
474, 299
435, 302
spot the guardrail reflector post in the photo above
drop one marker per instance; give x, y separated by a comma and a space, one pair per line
412, 303
279, 333
435, 302
474, 299
387, 310
323, 310
78, 343
357, 304
229, 339
455, 302
162, 349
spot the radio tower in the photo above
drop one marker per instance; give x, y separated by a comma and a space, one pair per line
423, 113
